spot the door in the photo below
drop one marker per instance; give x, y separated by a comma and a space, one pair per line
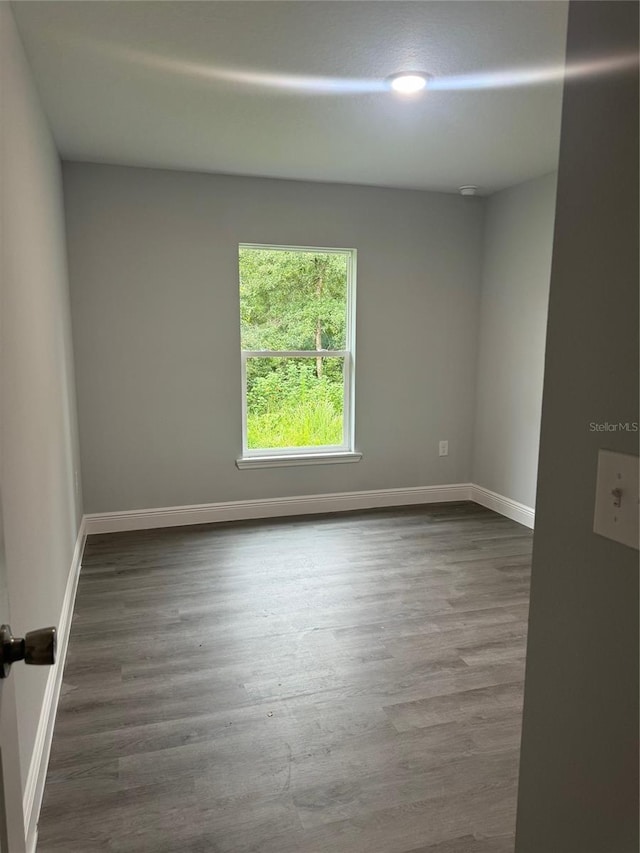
12, 834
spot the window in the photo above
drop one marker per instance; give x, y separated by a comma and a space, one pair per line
296, 317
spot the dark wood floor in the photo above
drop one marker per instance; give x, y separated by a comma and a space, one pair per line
344, 684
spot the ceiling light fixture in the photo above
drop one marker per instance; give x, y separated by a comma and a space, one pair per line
408, 82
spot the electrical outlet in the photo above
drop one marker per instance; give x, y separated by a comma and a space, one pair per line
443, 448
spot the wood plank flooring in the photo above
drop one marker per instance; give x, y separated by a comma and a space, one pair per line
336, 684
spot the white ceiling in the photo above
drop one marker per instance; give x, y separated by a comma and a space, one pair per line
240, 87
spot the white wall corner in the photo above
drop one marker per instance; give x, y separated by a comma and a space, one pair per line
34, 788
514, 510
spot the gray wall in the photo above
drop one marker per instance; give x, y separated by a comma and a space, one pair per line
39, 458
513, 317
579, 766
154, 285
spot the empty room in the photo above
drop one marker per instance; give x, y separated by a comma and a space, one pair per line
319, 426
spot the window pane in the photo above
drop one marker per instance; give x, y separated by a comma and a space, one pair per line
293, 299
294, 402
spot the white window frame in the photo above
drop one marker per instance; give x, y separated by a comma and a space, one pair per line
345, 452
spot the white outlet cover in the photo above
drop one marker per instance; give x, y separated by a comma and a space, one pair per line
620, 523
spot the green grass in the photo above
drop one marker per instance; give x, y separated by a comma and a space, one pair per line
297, 423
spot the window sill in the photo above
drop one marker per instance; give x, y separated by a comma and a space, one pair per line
302, 459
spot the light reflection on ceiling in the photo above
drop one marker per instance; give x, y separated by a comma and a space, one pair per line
322, 85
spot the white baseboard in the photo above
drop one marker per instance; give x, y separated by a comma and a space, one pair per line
514, 510
145, 519
34, 788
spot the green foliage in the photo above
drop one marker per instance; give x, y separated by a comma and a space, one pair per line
289, 406
286, 296
302, 425
293, 300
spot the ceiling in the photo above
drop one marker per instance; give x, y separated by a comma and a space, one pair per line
295, 89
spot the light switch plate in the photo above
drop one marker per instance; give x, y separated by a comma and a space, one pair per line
617, 509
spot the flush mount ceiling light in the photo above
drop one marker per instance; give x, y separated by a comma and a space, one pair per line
408, 82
